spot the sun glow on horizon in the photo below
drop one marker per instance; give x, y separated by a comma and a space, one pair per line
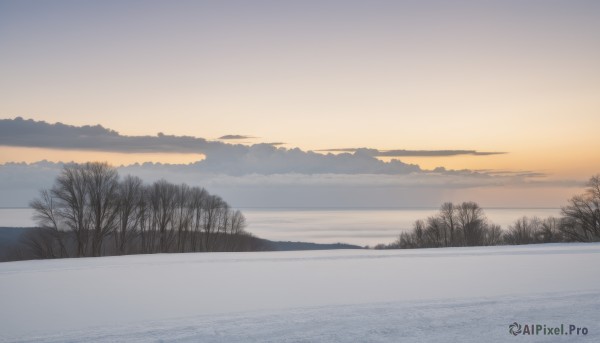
520, 77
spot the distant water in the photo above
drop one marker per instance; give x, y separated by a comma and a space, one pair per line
354, 226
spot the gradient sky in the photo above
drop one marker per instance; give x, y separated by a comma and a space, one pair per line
515, 76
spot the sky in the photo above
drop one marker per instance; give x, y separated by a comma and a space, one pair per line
517, 77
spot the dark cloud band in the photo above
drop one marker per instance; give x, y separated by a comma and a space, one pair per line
413, 153
234, 137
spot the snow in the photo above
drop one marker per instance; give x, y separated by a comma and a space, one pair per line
427, 295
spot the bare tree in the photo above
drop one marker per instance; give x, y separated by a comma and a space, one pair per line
406, 240
197, 200
103, 187
549, 231
45, 212
435, 233
471, 221
213, 205
582, 215
42, 243
454, 225
162, 204
493, 235
144, 220
184, 215
237, 223
90, 206
523, 231
130, 212
448, 217
419, 233
71, 198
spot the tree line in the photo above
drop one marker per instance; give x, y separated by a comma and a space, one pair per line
465, 224
91, 211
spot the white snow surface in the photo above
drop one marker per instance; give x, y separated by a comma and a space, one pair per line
425, 295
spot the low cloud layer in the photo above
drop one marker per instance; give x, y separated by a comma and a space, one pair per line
222, 158
270, 176
20, 183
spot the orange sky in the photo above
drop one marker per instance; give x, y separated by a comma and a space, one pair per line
519, 77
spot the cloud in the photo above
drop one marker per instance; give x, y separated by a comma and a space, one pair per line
399, 153
234, 137
20, 183
522, 173
220, 157
30, 133
265, 175
413, 153
232, 159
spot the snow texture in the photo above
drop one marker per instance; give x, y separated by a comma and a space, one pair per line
427, 295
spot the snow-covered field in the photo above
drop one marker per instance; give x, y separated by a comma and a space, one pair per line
429, 295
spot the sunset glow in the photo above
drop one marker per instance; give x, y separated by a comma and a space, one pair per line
517, 77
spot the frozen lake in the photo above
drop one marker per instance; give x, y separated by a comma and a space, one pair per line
353, 226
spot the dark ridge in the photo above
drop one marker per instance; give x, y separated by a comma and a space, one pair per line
292, 246
13, 246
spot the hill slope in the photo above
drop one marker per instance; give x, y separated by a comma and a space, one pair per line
428, 295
